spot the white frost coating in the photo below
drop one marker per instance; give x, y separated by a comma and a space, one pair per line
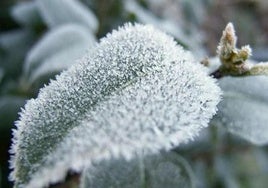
137, 90
58, 12
66, 37
244, 108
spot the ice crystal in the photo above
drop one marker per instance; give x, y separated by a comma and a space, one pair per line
136, 91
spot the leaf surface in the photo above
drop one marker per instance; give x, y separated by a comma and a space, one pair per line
136, 91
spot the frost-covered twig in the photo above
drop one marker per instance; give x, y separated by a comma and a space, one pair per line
234, 61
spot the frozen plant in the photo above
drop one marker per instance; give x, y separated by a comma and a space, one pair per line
135, 94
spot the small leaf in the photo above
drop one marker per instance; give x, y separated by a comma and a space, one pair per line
162, 170
136, 91
58, 12
244, 108
65, 38
26, 13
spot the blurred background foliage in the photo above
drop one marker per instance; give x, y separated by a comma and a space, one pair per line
40, 38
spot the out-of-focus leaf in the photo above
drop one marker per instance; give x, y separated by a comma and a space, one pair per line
114, 173
155, 171
200, 169
148, 18
248, 170
58, 12
26, 13
244, 108
57, 49
13, 40
225, 172
58, 62
14, 46
191, 40
9, 108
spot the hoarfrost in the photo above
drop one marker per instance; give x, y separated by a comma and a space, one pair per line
136, 91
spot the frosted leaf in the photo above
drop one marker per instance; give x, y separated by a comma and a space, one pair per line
136, 91
26, 13
244, 108
58, 12
162, 170
55, 42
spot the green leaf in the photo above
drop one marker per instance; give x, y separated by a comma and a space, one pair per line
59, 12
137, 91
162, 170
26, 13
57, 50
244, 108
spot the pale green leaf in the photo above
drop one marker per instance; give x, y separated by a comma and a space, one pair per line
71, 39
15, 45
244, 108
58, 12
26, 13
162, 170
59, 62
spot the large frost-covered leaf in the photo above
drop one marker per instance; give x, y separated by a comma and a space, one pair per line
162, 170
58, 12
137, 91
244, 107
26, 13
58, 49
